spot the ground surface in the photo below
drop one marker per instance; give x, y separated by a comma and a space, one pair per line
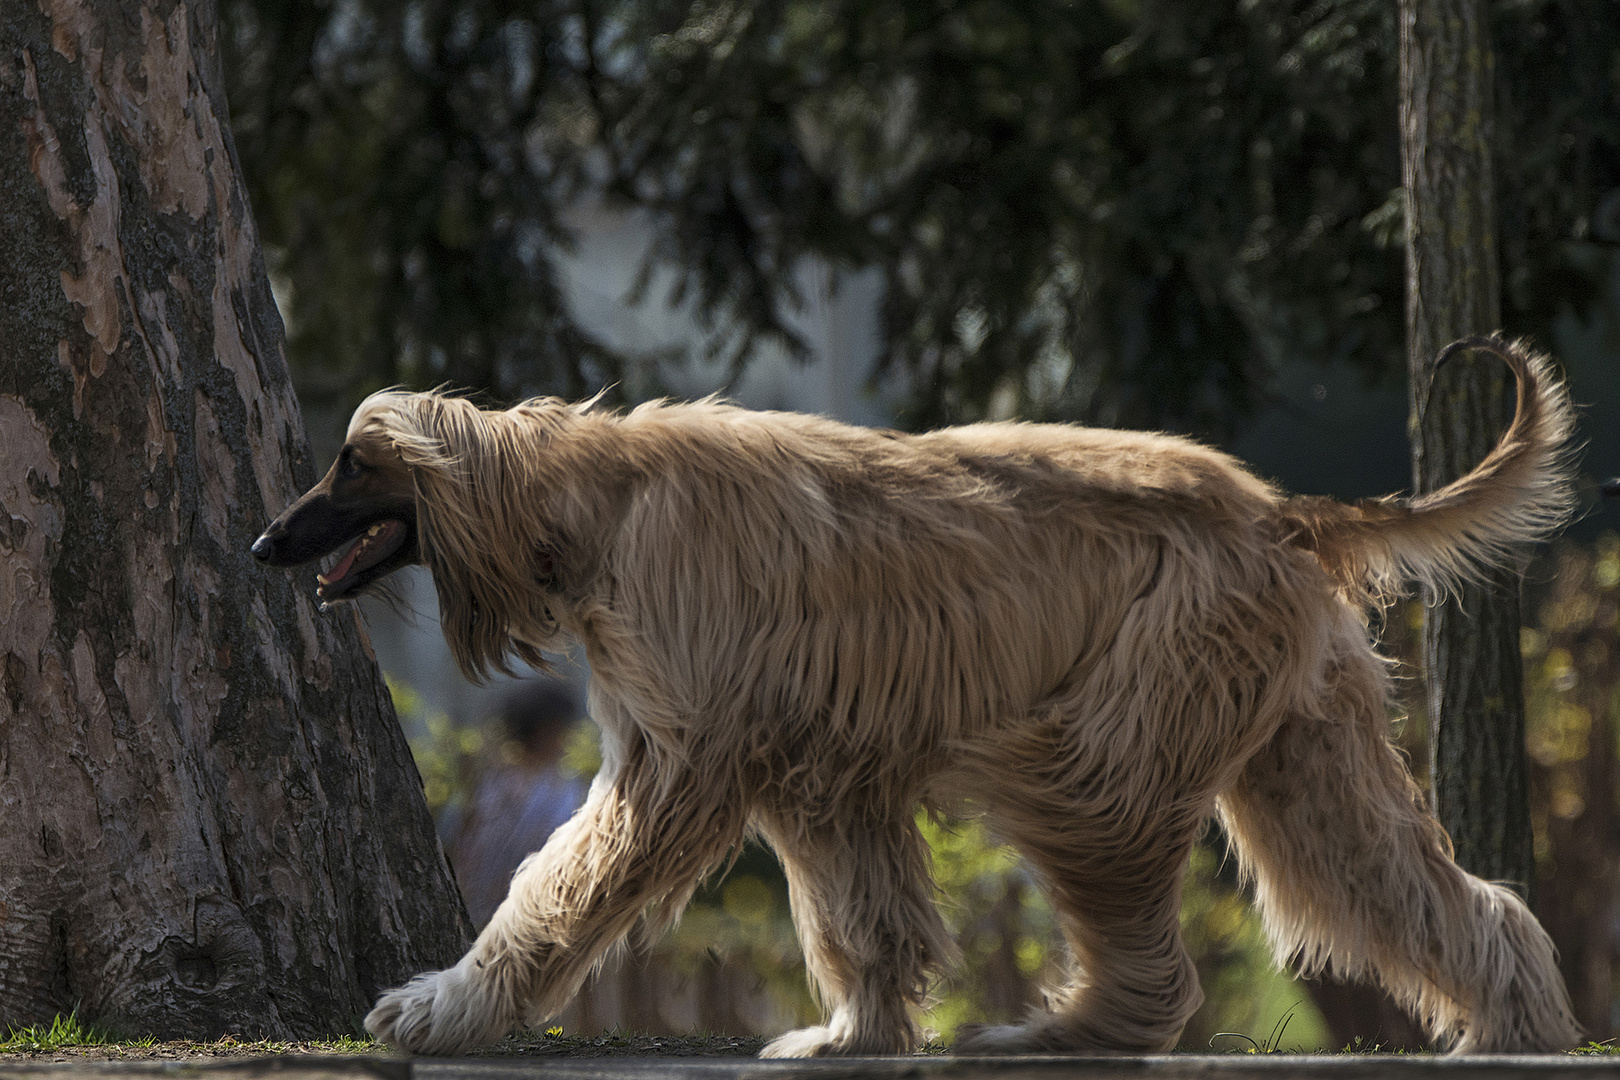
234, 1050
724, 1058
76, 1053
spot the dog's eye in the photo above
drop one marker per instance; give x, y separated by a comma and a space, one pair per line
349, 465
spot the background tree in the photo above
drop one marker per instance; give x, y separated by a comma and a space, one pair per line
1092, 208
1479, 773
211, 821
1126, 213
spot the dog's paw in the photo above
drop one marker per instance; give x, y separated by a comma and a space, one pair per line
840, 1037
441, 1012
987, 1040
803, 1043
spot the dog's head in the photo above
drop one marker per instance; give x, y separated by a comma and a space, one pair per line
434, 480
367, 501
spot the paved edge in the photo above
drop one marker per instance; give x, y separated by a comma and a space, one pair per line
1167, 1067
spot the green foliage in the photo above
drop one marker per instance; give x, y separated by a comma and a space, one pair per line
1244, 993
1003, 924
448, 756
1605, 1047
1095, 210
1271, 1044
396, 153
1571, 690
1572, 706
740, 923
1011, 945
582, 752
1126, 211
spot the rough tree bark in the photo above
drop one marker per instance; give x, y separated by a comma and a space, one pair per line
1471, 642
209, 819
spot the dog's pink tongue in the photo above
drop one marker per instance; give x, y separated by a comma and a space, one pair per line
341, 570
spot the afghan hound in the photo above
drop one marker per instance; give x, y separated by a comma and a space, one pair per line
803, 631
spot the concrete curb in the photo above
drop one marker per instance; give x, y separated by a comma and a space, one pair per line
1168, 1067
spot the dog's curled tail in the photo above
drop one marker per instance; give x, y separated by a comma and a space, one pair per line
1520, 493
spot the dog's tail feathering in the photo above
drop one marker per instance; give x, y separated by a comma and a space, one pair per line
1520, 493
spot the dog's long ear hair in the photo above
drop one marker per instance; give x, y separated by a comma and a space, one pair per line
480, 526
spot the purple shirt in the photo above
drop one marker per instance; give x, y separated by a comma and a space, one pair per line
510, 815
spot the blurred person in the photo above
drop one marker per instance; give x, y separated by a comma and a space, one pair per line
521, 796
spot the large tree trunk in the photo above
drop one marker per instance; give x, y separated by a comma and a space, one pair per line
209, 819
1471, 642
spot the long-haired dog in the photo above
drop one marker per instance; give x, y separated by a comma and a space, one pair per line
1096, 639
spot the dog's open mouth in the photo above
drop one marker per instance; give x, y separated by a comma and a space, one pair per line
374, 546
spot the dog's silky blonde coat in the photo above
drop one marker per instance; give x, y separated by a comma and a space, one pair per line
1096, 639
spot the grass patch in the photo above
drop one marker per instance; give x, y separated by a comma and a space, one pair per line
1607, 1046
69, 1034
67, 1031
338, 1044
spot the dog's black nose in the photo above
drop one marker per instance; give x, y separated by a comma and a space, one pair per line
261, 548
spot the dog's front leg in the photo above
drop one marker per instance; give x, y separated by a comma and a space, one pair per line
646, 835
862, 901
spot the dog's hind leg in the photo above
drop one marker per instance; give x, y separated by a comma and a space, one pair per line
1114, 879
650, 828
862, 904
1353, 874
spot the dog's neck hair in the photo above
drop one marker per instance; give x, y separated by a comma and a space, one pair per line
512, 506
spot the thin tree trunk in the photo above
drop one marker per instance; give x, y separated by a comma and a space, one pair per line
209, 819
1471, 642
